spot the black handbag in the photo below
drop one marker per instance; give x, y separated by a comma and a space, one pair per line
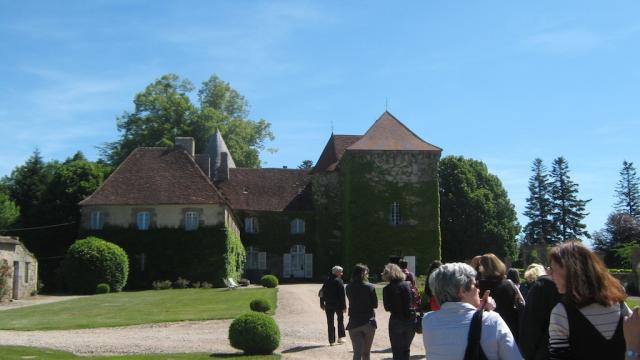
474, 350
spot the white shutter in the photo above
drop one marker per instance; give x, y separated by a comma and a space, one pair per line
286, 265
262, 260
308, 266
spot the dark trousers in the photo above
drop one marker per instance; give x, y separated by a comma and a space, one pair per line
361, 339
331, 327
401, 333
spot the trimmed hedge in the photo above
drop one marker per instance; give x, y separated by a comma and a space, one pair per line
254, 333
92, 261
103, 288
260, 305
269, 281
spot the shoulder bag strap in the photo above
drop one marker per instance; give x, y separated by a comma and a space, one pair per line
473, 350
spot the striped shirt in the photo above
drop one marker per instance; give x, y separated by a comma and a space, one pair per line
604, 318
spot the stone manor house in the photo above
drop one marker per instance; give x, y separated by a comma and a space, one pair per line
368, 199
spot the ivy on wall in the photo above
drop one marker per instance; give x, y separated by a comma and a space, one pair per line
370, 187
274, 231
210, 253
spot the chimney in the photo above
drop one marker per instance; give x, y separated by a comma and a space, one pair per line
223, 172
186, 143
204, 163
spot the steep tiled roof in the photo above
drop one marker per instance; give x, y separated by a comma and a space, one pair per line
333, 151
388, 133
268, 189
153, 176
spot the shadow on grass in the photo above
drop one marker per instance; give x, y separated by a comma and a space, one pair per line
301, 348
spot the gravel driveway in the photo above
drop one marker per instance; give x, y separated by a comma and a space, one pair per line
301, 321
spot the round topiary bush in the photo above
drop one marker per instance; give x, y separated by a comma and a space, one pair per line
269, 281
260, 305
103, 288
92, 261
254, 333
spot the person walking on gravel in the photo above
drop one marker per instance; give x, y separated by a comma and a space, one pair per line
333, 302
362, 317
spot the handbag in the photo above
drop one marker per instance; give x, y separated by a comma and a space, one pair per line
418, 324
474, 350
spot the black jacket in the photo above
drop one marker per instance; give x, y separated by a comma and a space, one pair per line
534, 325
333, 296
397, 300
362, 301
504, 294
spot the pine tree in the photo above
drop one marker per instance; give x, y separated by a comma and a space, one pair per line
628, 191
567, 210
538, 209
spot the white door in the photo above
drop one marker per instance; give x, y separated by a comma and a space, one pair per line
308, 266
286, 265
411, 263
297, 261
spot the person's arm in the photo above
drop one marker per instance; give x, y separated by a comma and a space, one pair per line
631, 329
507, 347
342, 297
559, 348
386, 300
373, 297
406, 300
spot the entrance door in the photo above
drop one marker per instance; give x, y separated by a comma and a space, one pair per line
16, 280
297, 261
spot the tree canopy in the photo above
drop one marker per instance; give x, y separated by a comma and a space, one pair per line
164, 110
628, 191
475, 211
568, 211
539, 206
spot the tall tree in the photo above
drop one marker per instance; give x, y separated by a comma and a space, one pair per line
568, 211
538, 209
476, 214
621, 233
306, 164
9, 212
628, 191
163, 110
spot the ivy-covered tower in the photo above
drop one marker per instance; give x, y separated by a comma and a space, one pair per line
376, 197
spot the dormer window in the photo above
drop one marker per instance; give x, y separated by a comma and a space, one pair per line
97, 220
251, 225
297, 226
191, 220
143, 220
394, 215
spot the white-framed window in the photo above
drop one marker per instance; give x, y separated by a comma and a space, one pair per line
143, 219
251, 225
191, 220
297, 226
256, 259
97, 220
394, 215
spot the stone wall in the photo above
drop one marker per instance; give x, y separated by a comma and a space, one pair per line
19, 260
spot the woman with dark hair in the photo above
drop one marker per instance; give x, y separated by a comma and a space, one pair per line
431, 304
396, 297
362, 317
514, 276
493, 277
587, 322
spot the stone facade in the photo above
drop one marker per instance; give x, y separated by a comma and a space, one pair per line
22, 266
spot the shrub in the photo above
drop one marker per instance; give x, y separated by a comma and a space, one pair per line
92, 261
181, 283
269, 281
5, 272
195, 284
206, 285
254, 333
244, 282
103, 288
161, 285
260, 305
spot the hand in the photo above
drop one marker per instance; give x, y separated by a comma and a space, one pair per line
631, 327
322, 307
487, 303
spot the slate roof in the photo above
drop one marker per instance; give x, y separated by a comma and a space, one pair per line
155, 176
268, 189
334, 150
9, 240
388, 133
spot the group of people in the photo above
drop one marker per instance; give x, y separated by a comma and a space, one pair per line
573, 309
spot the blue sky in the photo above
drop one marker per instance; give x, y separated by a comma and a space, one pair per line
502, 82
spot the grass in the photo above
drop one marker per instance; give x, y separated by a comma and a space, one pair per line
133, 308
21, 353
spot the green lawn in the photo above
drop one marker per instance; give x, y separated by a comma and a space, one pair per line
132, 308
21, 353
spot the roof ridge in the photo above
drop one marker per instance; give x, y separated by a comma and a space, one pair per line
408, 129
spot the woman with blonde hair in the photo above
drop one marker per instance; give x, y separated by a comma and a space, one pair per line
533, 272
587, 323
397, 300
493, 277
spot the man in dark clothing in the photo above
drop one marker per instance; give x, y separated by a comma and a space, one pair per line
333, 301
534, 325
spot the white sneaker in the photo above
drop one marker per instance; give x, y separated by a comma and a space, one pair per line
331, 344
342, 340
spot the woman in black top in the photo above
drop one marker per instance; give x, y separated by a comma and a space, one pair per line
492, 273
362, 317
397, 300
